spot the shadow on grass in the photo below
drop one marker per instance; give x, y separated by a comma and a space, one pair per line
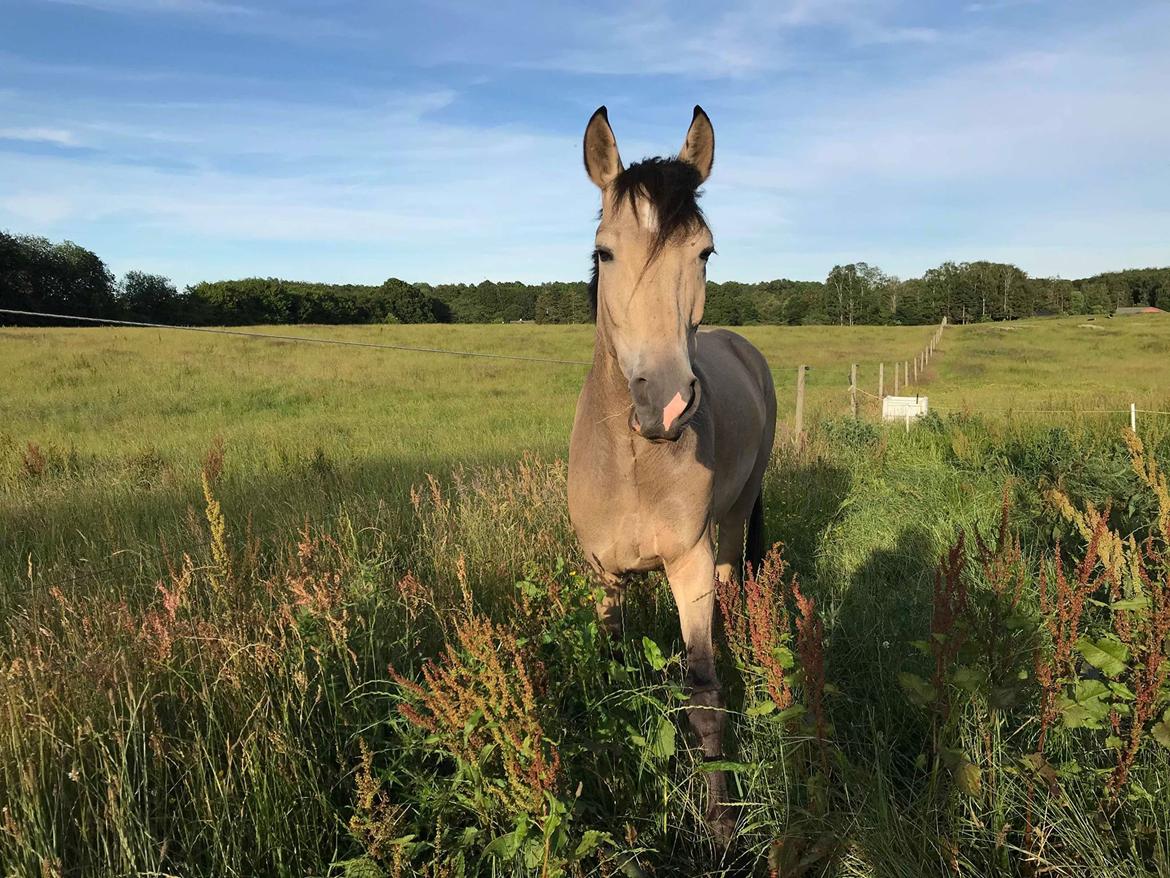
801, 499
120, 535
886, 605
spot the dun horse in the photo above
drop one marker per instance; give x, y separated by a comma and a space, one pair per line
675, 423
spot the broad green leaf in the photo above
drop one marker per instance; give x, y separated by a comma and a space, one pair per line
535, 853
505, 847
1161, 731
663, 743
789, 713
969, 779
967, 678
785, 657
472, 722
1108, 655
1039, 765
1140, 603
762, 708
1120, 690
1086, 709
1071, 768
653, 654
590, 841
724, 765
919, 691
361, 867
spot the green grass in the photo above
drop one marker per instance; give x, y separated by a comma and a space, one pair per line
219, 731
1065, 363
123, 418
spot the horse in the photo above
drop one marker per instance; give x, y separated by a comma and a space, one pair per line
675, 422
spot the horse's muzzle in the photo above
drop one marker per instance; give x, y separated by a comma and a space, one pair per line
663, 424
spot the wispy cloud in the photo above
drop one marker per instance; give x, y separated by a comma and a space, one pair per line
58, 136
273, 20
180, 7
736, 40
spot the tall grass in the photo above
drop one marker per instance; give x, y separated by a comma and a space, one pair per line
437, 698
240, 645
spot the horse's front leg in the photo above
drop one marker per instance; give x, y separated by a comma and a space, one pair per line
692, 581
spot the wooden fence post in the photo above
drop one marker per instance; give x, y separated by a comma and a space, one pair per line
853, 390
1133, 416
895, 379
881, 380
798, 426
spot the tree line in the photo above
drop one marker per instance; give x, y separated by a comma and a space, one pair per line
39, 275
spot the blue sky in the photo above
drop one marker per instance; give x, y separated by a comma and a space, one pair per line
349, 140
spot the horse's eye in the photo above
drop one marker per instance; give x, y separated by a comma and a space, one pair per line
603, 255
706, 254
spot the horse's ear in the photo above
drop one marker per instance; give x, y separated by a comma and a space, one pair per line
699, 147
602, 161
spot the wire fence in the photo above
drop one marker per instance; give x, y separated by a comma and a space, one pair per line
913, 373
906, 373
310, 339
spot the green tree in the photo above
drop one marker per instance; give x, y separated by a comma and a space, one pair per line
65, 278
148, 296
406, 303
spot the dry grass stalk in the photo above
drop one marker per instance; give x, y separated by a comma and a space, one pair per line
376, 821
481, 692
757, 625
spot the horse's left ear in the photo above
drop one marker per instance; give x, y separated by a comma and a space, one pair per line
699, 147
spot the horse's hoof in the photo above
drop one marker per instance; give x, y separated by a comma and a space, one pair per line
721, 820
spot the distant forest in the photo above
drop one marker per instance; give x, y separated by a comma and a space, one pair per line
39, 275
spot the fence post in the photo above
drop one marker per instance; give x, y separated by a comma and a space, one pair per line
1133, 416
881, 380
896, 379
853, 390
798, 427
916, 371
905, 375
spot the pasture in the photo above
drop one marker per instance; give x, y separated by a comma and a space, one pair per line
226, 564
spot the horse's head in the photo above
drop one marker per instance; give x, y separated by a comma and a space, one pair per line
650, 270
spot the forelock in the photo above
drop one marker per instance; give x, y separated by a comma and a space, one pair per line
669, 188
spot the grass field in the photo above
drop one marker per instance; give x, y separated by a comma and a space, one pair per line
233, 713
118, 420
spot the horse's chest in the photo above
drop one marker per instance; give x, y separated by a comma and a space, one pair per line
632, 513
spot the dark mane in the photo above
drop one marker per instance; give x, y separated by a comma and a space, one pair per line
671, 186
593, 290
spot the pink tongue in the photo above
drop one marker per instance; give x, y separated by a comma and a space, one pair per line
672, 410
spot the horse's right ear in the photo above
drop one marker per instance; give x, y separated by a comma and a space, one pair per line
602, 161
